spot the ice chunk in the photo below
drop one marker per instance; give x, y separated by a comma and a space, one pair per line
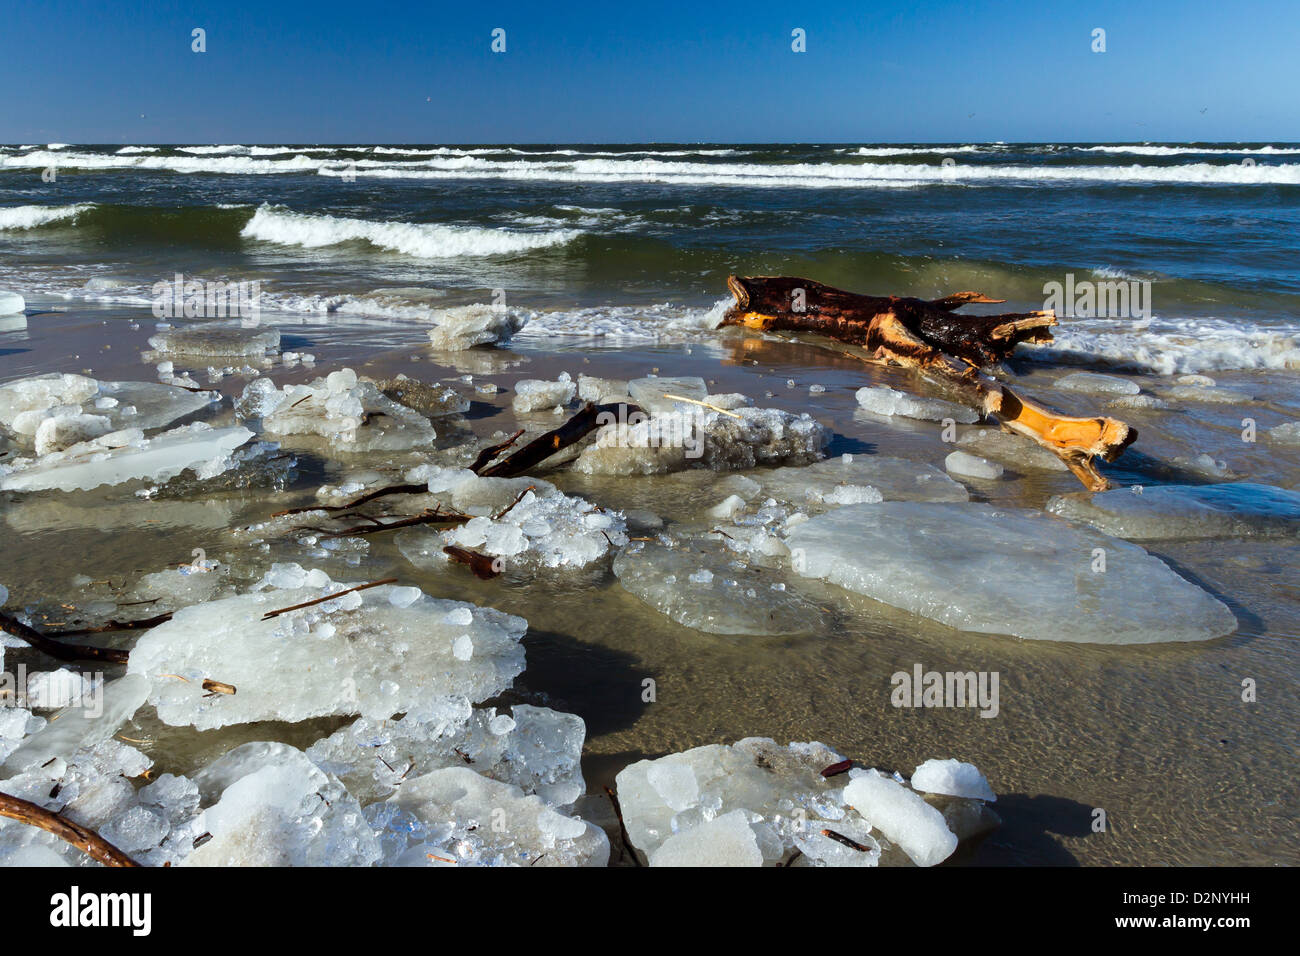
351, 414
534, 394
538, 750
375, 659
1206, 394
469, 326
454, 815
727, 840
954, 778
274, 807
1015, 450
971, 466
1006, 571
1234, 510
671, 806
902, 816
211, 342
61, 431
1094, 382
881, 400
598, 390
553, 531
896, 479
82, 727
1287, 434
703, 590
434, 401
41, 392
122, 456
11, 303
649, 393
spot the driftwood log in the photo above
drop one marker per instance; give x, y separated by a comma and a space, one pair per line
927, 335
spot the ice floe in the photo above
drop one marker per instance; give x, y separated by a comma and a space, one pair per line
126, 455
1006, 571
881, 400
352, 414
757, 803
456, 816
359, 653
471, 326
217, 342
536, 749
1237, 510
713, 592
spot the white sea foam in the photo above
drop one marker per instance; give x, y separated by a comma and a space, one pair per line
449, 164
422, 240
1148, 149
1175, 346
29, 217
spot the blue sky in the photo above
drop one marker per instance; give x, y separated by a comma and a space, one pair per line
81, 71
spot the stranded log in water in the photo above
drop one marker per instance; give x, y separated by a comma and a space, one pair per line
927, 336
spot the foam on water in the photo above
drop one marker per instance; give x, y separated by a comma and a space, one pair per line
422, 240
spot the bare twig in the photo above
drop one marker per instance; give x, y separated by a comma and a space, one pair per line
63, 652
87, 841
328, 597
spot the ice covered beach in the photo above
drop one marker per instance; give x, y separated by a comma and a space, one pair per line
702, 609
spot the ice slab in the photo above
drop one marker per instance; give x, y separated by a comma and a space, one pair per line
81, 727
680, 439
954, 778
532, 394
359, 653
727, 840
881, 400
216, 342
1015, 450
599, 390
456, 816
972, 466
649, 393
35, 409
895, 478
902, 816
1097, 383
713, 592
538, 531
1236, 510
1006, 571
125, 455
758, 803
537, 749
471, 326
267, 804
11, 303
352, 414
434, 401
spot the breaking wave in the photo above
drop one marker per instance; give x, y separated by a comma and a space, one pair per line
421, 240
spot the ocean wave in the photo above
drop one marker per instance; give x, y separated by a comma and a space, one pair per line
1221, 150
422, 240
29, 217
1173, 346
864, 174
915, 150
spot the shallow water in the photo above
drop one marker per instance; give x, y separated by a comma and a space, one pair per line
1157, 736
